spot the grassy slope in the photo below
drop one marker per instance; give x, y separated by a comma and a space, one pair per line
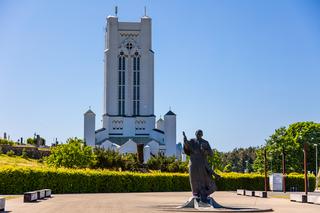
6, 160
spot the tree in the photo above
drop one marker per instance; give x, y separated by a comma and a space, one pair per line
290, 141
216, 160
235, 161
106, 158
73, 154
33, 141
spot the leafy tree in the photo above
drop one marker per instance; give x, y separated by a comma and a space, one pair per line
227, 168
73, 154
106, 158
130, 162
6, 142
236, 160
216, 160
167, 164
290, 141
33, 141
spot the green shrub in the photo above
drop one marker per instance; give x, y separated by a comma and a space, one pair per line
6, 142
167, 164
297, 180
24, 153
233, 181
130, 162
16, 180
107, 159
10, 153
73, 154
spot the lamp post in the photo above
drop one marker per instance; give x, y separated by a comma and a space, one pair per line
305, 168
283, 170
316, 145
265, 170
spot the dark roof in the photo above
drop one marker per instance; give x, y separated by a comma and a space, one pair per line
89, 112
160, 119
158, 130
170, 113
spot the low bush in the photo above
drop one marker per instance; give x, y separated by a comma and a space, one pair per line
16, 180
167, 164
6, 142
11, 153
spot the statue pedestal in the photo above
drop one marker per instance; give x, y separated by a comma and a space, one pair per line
195, 204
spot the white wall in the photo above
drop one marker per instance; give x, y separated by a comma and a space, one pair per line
160, 124
109, 145
170, 134
101, 136
154, 147
146, 153
129, 147
89, 128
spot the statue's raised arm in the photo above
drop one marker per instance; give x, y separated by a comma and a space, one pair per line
186, 145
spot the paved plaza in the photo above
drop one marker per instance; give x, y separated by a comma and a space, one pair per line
146, 202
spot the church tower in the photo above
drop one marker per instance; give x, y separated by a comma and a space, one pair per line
129, 78
128, 121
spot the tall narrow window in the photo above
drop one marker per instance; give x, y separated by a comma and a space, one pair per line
136, 84
121, 84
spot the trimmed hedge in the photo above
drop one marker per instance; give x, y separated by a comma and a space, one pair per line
234, 181
15, 180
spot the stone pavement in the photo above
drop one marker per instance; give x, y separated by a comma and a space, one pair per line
146, 202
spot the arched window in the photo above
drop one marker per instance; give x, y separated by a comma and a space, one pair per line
136, 84
121, 83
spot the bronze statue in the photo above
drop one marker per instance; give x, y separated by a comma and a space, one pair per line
200, 173
201, 178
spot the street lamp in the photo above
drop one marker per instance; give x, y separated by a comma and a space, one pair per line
316, 145
283, 170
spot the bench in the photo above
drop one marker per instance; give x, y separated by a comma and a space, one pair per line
41, 194
30, 196
260, 194
249, 193
2, 203
240, 192
47, 192
314, 199
302, 198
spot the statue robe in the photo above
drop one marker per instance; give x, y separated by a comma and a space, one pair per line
200, 173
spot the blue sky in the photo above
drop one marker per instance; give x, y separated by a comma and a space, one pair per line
236, 69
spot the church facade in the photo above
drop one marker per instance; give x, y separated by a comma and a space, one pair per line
128, 120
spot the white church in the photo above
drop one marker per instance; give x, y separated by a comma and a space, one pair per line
129, 122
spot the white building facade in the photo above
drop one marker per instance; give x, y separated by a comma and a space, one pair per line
128, 119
